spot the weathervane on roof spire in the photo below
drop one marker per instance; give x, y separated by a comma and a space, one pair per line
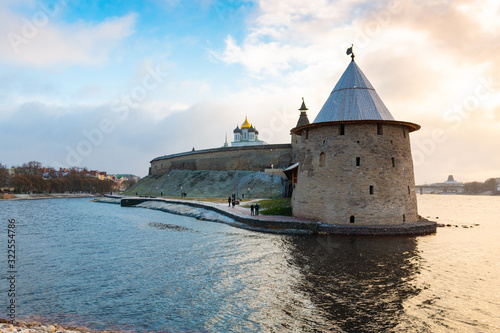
303, 107
351, 52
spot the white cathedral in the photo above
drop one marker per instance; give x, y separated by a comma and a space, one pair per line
247, 135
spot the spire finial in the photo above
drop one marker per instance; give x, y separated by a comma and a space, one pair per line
303, 107
351, 52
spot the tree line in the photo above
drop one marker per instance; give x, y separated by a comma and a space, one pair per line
479, 187
29, 178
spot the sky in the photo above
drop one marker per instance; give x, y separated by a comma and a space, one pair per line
109, 85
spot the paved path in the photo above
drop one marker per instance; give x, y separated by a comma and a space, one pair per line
294, 225
238, 209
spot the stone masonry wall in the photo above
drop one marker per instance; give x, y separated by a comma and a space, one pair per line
361, 175
251, 158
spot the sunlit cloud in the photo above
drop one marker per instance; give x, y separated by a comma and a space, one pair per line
40, 39
432, 62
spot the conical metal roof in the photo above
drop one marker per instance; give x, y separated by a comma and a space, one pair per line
353, 98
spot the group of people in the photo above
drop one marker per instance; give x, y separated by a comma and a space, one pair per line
232, 201
254, 209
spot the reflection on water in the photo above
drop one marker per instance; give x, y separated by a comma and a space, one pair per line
358, 284
105, 266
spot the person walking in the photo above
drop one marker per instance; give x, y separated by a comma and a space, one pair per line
257, 207
229, 201
233, 202
251, 209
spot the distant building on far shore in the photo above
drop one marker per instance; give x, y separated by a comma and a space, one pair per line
451, 186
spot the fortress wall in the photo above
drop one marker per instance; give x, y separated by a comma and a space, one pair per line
251, 158
339, 189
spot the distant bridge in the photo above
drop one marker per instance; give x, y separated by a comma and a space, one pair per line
440, 188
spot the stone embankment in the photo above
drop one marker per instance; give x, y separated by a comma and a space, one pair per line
240, 217
217, 212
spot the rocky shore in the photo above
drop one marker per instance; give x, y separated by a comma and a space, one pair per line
39, 327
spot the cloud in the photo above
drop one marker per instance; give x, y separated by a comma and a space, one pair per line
97, 137
427, 60
286, 34
39, 39
465, 28
467, 151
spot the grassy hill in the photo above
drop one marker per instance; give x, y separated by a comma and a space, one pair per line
210, 184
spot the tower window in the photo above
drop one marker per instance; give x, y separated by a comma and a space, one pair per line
351, 219
371, 189
393, 162
404, 132
409, 192
380, 129
358, 161
404, 218
342, 129
322, 159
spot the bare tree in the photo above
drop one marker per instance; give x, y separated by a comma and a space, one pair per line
30, 168
490, 184
4, 175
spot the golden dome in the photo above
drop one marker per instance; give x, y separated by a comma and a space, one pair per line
246, 124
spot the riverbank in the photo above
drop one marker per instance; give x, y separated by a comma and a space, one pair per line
52, 196
39, 327
241, 217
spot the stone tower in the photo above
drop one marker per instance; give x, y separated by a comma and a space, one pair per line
296, 138
355, 163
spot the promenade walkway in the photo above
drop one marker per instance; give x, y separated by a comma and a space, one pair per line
293, 225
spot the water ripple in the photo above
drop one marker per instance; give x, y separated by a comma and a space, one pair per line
142, 270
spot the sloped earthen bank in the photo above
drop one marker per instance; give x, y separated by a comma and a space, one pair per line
210, 184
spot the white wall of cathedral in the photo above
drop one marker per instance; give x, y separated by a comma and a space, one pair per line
247, 143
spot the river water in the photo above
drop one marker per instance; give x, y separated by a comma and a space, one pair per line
108, 267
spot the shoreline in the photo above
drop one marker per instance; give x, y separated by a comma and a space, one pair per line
26, 326
52, 196
273, 223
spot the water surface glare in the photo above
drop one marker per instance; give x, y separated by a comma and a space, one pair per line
104, 266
